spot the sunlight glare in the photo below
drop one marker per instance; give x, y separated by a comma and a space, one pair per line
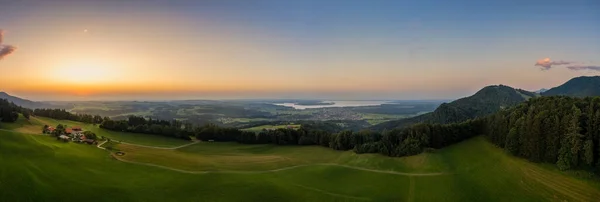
84, 73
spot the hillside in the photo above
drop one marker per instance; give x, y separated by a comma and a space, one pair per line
21, 102
486, 101
577, 87
473, 170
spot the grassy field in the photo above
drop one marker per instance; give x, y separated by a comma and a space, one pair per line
272, 127
374, 119
35, 124
211, 156
39, 168
473, 170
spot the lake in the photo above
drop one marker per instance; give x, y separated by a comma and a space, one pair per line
335, 104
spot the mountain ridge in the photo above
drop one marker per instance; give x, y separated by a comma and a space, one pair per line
486, 101
582, 86
20, 101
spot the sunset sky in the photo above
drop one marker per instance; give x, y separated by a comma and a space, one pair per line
213, 49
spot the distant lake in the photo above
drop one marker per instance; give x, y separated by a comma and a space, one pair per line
335, 104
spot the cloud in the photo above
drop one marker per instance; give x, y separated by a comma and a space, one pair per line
546, 63
5, 49
584, 67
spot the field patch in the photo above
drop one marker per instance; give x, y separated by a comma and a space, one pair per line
271, 127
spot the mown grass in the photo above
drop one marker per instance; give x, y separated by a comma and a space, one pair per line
39, 168
208, 156
474, 170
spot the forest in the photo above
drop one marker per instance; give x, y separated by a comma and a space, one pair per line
560, 130
9, 112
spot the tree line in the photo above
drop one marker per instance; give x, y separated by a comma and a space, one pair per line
398, 142
560, 130
9, 112
138, 124
62, 114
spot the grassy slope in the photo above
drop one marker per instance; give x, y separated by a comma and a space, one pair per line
474, 170
36, 168
35, 124
232, 156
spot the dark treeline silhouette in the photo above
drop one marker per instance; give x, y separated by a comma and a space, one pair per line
398, 142
412, 140
62, 114
9, 112
560, 130
138, 124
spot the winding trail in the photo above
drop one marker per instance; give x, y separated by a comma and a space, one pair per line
100, 145
153, 147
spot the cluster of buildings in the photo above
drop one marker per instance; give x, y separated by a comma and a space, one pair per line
74, 134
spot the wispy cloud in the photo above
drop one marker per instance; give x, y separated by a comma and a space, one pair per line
5, 49
584, 67
546, 63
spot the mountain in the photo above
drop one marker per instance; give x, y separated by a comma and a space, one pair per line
540, 91
577, 87
486, 101
21, 102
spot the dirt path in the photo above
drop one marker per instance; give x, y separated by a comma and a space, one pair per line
153, 147
100, 145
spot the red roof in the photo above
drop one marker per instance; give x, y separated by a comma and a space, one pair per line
69, 131
76, 127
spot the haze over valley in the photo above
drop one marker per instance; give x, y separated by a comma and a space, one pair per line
269, 100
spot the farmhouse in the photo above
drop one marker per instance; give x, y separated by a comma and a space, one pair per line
64, 138
76, 128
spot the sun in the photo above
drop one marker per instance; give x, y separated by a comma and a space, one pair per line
84, 73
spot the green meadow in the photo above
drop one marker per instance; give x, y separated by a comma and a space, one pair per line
270, 127
36, 167
34, 126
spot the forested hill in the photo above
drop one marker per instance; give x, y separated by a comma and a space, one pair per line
21, 102
558, 129
486, 101
577, 87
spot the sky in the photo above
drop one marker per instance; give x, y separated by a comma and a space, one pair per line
226, 49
